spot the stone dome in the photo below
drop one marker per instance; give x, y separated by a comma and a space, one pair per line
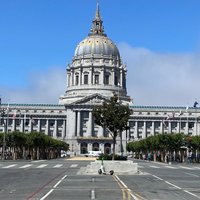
97, 45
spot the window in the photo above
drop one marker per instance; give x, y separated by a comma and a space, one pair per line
106, 81
96, 79
116, 81
85, 79
77, 78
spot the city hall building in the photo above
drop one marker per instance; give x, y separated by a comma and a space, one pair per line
94, 74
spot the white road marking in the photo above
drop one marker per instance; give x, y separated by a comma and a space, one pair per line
36, 161
177, 187
186, 168
58, 165
173, 185
131, 192
74, 165
153, 166
25, 166
50, 191
191, 194
93, 194
170, 167
157, 177
196, 167
41, 166
192, 174
9, 166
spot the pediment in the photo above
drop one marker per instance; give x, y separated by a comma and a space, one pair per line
95, 99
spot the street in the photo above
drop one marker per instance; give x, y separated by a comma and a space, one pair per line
58, 179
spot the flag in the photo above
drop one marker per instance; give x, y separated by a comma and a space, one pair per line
195, 104
180, 113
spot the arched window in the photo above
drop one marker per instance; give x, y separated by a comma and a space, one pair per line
83, 148
95, 146
107, 148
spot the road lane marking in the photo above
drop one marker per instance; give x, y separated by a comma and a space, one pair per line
25, 166
58, 165
173, 185
153, 166
9, 166
41, 166
59, 181
127, 191
186, 168
170, 167
177, 187
191, 194
196, 167
93, 194
50, 191
157, 177
74, 165
191, 174
36, 161
47, 194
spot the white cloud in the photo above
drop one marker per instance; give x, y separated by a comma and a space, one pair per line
152, 79
43, 87
161, 78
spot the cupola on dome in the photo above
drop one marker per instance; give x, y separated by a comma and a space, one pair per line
97, 43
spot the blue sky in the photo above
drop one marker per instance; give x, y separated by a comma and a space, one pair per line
158, 40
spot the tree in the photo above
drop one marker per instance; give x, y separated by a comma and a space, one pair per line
113, 116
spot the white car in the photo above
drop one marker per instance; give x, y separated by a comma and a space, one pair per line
64, 154
93, 154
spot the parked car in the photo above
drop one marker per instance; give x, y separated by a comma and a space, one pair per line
93, 154
64, 154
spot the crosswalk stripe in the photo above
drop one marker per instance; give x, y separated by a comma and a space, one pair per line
58, 165
186, 168
170, 167
25, 166
9, 166
197, 167
74, 165
152, 166
41, 166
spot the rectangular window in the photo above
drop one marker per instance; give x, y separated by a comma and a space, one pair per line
77, 79
85, 79
106, 80
96, 79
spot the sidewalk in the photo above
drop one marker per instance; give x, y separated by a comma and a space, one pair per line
82, 158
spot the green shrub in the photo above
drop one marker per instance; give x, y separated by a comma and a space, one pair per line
109, 157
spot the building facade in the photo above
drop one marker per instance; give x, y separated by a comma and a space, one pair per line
95, 73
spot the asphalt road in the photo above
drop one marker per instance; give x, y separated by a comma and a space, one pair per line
58, 180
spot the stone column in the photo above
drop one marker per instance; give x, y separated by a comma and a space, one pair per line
161, 127
55, 131
39, 125
186, 127
169, 126
144, 131
153, 128
13, 125
90, 125
136, 129
78, 123
47, 127
112, 77
64, 129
